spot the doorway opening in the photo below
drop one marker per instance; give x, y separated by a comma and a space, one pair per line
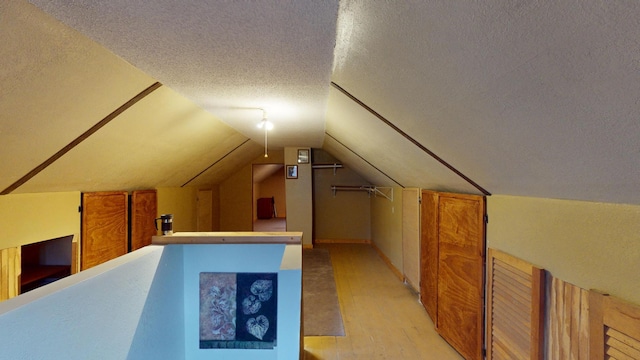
269, 198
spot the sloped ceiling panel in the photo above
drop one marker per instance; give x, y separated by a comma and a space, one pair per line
263, 171
534, 98
360, 166
164, 140
387, 150
55, 85
226, 56
225, 166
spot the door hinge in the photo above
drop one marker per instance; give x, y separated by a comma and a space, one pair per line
80, 208
486, 219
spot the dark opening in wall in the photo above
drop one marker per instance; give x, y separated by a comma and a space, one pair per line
45, 262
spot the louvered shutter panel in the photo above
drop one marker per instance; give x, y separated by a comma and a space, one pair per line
615, 328
515, 305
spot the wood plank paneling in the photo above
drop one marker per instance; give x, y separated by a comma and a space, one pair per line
516, 305
104, 227
429, 253
10, 269
568, 321
144, 210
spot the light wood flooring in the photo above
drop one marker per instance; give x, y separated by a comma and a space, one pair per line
273, 224
382, 317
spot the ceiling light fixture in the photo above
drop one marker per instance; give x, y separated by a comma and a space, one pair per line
266, 125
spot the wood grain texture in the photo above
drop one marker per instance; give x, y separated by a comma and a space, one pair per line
615, 328
236, 237
461, 272
515, 308
568, 321
75, 255
429, 253
144, 210
10, 269
381, 316
104, 227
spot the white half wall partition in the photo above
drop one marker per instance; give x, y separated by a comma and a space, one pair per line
146, 304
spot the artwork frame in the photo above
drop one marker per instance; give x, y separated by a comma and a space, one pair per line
291, 171
303, 156
238, 310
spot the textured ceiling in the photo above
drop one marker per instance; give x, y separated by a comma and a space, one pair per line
229, 57
533, 98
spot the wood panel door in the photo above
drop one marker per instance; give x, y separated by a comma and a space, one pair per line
429, 253
144, 211
411, 237
104, 227
461, 253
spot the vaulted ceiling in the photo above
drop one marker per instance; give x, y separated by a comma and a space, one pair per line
528, 98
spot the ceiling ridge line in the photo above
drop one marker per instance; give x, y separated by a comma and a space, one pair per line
363, 159
410, 139
92, 130
217, 161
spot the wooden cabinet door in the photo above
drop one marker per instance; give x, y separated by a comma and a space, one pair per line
411, 237
144, 210
104, 227
429, 253
461, 272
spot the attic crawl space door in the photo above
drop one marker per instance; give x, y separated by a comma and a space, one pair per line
461, 255
104, 227
452, 267
144, 210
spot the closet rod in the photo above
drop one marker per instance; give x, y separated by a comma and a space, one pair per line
368, 188
326, 166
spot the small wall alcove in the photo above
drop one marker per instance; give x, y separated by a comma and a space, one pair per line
45, 262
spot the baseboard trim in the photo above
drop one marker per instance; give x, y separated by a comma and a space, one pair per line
386, 260
342, 241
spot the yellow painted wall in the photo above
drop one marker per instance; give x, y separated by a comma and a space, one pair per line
386, 226
345, 216
299, 197
215, 212
591, 245
29, 218
182, 203
236, 199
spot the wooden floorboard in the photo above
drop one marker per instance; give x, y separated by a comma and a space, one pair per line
382, 316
